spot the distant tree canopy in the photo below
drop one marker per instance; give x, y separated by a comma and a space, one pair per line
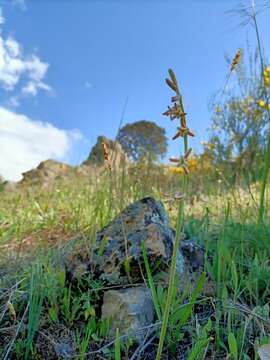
143, 139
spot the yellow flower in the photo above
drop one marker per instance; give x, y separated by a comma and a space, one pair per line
268, 105
193, 164
266, 81
267, 69
218, 109
261, 103
175, 170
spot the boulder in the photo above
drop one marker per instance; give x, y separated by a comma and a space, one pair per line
144, 221
117, 256
130, 310
117, 156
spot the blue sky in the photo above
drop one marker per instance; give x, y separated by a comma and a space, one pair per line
98, 53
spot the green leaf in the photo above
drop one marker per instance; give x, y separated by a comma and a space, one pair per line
117, 346
186, 311
233, 345
151, 283
197, 349
52, 312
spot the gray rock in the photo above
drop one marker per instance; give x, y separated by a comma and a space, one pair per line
193, 254
130, 310
144, 221
192, 265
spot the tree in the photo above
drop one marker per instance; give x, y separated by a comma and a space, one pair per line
143, 139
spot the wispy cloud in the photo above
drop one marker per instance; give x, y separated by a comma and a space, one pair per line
24, 73
25, 143
2, 19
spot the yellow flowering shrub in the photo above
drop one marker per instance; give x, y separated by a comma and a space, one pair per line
262, 104
266, 76
195, 164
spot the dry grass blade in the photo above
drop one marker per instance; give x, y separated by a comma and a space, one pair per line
16, 333
246, 12
141, 349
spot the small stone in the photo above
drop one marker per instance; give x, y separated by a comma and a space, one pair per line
129, 310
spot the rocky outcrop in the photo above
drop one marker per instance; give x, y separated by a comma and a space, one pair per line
50, 170
46, 173
117, 156
7, 185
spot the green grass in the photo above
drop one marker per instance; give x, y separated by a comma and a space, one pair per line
36, 226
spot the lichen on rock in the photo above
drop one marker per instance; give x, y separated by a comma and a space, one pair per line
144, 221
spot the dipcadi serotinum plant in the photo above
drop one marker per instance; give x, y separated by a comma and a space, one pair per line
176, 112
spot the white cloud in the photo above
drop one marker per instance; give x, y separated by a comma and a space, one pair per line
24, 143
18, 71
14, 66
2, 19
31, 88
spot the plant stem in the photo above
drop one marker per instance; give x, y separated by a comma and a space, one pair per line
179, 226
265, 95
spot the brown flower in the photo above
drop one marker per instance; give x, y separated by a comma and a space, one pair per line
183, 161
182, 131
173, 112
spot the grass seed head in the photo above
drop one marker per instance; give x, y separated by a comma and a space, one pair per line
236, 60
